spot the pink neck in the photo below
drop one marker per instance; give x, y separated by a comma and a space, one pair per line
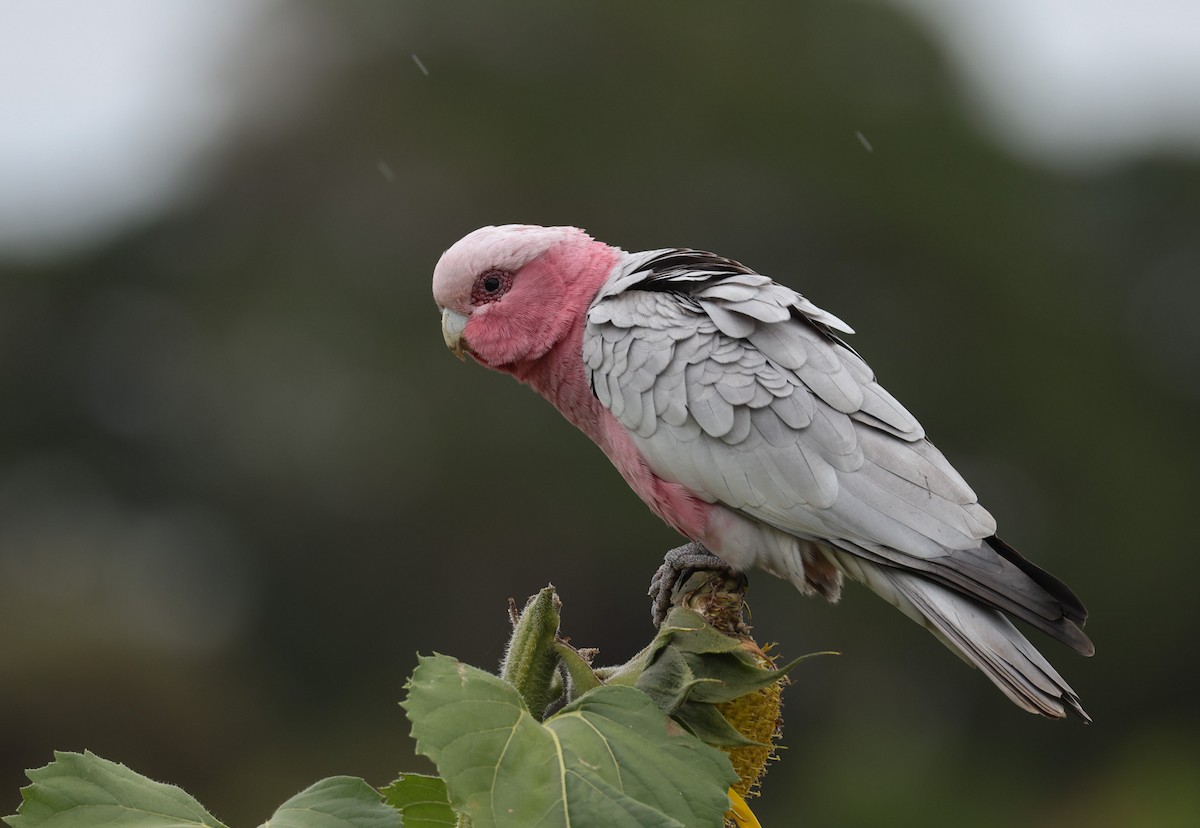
559, 374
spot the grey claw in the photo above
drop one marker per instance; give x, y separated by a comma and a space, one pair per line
678, 565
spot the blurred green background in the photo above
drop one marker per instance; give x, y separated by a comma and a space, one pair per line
243, 483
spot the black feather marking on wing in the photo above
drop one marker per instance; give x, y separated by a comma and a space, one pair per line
685, 271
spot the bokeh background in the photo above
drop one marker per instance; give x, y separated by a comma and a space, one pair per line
242, 483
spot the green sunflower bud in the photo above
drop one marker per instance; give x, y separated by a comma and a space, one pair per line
531, 660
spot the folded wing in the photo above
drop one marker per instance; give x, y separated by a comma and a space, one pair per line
741, 390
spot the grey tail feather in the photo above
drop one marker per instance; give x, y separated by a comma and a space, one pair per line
979, 634
1073, 608
999, 576
1067, 627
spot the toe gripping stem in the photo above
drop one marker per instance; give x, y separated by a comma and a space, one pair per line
690, 574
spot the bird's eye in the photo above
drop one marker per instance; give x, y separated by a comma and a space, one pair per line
490, 286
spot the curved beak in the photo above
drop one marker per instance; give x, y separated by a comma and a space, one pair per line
453, 324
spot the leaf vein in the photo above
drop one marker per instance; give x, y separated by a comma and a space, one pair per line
512, 731
562, 776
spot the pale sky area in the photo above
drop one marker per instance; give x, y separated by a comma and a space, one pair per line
109, 110
1076, 83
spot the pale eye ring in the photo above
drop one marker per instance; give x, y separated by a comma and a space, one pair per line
490, 286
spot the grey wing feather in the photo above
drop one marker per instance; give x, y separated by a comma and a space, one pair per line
740, 389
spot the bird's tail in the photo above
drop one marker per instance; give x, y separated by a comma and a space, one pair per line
981, 635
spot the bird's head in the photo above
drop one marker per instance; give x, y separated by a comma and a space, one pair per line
508, 294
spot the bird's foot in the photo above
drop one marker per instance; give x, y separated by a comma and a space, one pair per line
686, 571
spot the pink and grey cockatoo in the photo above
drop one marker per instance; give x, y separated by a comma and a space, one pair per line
732, 407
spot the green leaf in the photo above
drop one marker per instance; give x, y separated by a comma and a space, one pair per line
690, 666
610, 758
691, 661
421, 800
82, 790
669, 680
710, 726
730, 675
689, 631
582, 677
684, 628
337, 802
620, 736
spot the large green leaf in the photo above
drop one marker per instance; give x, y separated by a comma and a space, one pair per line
81, 790
610, 758
337, 802
421, 800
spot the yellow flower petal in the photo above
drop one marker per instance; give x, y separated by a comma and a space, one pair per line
740, 812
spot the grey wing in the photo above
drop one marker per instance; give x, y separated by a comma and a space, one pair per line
738, 388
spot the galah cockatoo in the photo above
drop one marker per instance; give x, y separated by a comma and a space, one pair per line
732, 407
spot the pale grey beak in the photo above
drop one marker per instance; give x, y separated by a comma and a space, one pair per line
453, 324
